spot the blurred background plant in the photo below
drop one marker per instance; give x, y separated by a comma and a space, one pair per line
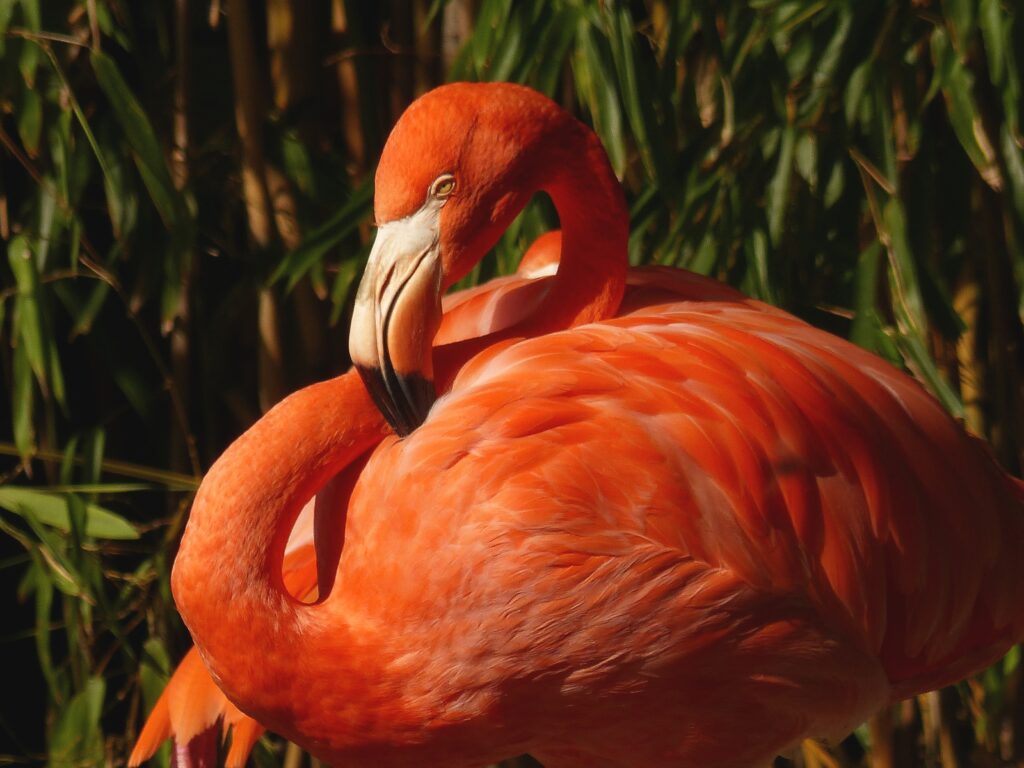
185, 192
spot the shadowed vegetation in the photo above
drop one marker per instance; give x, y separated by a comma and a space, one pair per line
185, 205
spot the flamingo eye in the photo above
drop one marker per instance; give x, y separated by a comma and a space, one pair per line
443, 186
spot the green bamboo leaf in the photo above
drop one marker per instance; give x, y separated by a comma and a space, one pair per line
921, 363
52, 551
960, 17
30, 120
28, 61
50, 225
805, 155
94, 488
639, 101
325, 237
6, 10
778, 190
29, 316
298, 164
1013, 156
863, 329
957, 85
22, 403
43, 588
172, 481
554, 51
593, 69
905, 287
994, 26
95, 443
141, 137
759, 283
348, 271
510, 48
828, 63
76, 738
154, 670
121, 197
84, 313
835, 185
51, 509
853, 96
55, 373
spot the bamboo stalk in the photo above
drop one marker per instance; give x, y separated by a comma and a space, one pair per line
348, 87
426, 37
883, 752
399, 40
947, 700
180, 343
967, 303
292, 756
456, 27
293, 71
249, 112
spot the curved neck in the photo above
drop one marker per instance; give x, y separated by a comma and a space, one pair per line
573, 169
594, 219
227, 576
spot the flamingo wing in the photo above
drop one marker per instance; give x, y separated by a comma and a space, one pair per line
709, 492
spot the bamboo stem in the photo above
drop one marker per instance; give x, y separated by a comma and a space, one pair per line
249, 112
180, 343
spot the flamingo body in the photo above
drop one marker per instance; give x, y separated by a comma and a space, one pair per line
757, 523
690, 530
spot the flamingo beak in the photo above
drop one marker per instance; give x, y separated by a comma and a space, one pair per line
396, 314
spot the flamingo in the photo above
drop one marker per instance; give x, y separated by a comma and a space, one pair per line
605, 516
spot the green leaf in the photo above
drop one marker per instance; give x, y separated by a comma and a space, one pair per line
957, 85
145, 148
639, 100
325, 237
51, 509
863, 331
904, 283
43, 584
778, 190
29, 315
23, 403
593, 69
52, 550
994, 26
347, 273
29, 59
960, 17
154, 670
76, 738
6, 9
30, 120
920, 361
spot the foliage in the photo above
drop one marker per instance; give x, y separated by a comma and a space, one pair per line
185, 203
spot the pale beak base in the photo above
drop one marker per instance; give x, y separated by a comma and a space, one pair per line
396, 314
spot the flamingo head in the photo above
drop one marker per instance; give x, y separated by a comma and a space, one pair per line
460, 163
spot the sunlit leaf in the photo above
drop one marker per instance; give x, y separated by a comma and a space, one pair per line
51, 509
76, 738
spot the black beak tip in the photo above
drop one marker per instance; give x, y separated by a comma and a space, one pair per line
404, 400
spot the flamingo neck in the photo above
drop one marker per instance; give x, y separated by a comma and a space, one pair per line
592, 212
227, 576
573, 169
